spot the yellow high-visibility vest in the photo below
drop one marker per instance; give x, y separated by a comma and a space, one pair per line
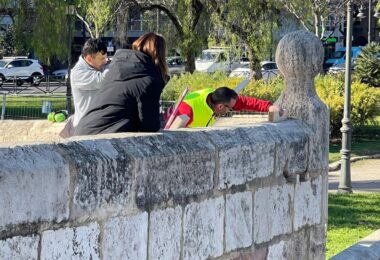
202, 113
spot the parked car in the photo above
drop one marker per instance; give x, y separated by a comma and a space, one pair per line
176, 65
61, 74
339, 57
216, 59
22, 69
269, 70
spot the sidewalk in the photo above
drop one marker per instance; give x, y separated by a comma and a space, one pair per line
365, 177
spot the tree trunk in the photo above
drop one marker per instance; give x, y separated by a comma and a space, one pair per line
190, 62
254, 63
121, 39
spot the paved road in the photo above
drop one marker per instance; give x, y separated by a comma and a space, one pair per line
365, 176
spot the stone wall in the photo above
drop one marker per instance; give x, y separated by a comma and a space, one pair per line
191, 194
244, 192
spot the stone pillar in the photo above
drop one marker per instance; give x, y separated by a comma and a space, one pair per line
299, 57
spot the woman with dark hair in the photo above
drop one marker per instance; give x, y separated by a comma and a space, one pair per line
129, 98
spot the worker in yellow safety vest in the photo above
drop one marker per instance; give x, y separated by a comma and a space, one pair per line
200, 107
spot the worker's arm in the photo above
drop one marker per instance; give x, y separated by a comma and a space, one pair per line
251, 104
183, 109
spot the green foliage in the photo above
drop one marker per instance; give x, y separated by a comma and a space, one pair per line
253, 22
7, 43
50, 33
199, 80
98, 13
368, 64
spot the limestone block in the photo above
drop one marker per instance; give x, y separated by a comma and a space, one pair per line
103, 175
244, 154
308, 203
280, 251
272, 212
238, 220
71, 243
203, 229
21, 248
165, 231
291, 139
173, 165
126, 237
34, 185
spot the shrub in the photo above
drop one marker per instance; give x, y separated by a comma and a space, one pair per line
364, 102
368, 64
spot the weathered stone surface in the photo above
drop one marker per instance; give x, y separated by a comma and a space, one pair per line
244, 154
20, 248
238, 220
173, 165
250, 254
300, 245
299, 57
317, 244
308, 203
126, 237
165, 234
203, 229
280, 251
71, 243
272, 212
103, 175
292, 139
34, 185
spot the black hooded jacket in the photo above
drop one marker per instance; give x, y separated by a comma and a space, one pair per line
129, 98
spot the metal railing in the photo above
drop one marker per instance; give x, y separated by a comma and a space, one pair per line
41, 84
29, 107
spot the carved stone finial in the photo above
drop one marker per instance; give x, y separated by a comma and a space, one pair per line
299, 57
300, 54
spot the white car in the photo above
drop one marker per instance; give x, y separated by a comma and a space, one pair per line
21, 69
62, 73
269, 70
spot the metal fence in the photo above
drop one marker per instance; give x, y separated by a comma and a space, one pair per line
28, 107
38, 85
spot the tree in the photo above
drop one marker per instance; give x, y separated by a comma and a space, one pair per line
252, 21
96, 14
312, 14
48, 34
185, 15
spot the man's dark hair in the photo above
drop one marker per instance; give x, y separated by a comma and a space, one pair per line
93, 46
223, 95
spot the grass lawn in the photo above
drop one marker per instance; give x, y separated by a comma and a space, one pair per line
351, 218
365, 141
30, 107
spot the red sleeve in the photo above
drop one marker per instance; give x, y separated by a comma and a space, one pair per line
185, 109
251, 104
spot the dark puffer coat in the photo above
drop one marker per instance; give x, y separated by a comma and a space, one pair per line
129, 99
